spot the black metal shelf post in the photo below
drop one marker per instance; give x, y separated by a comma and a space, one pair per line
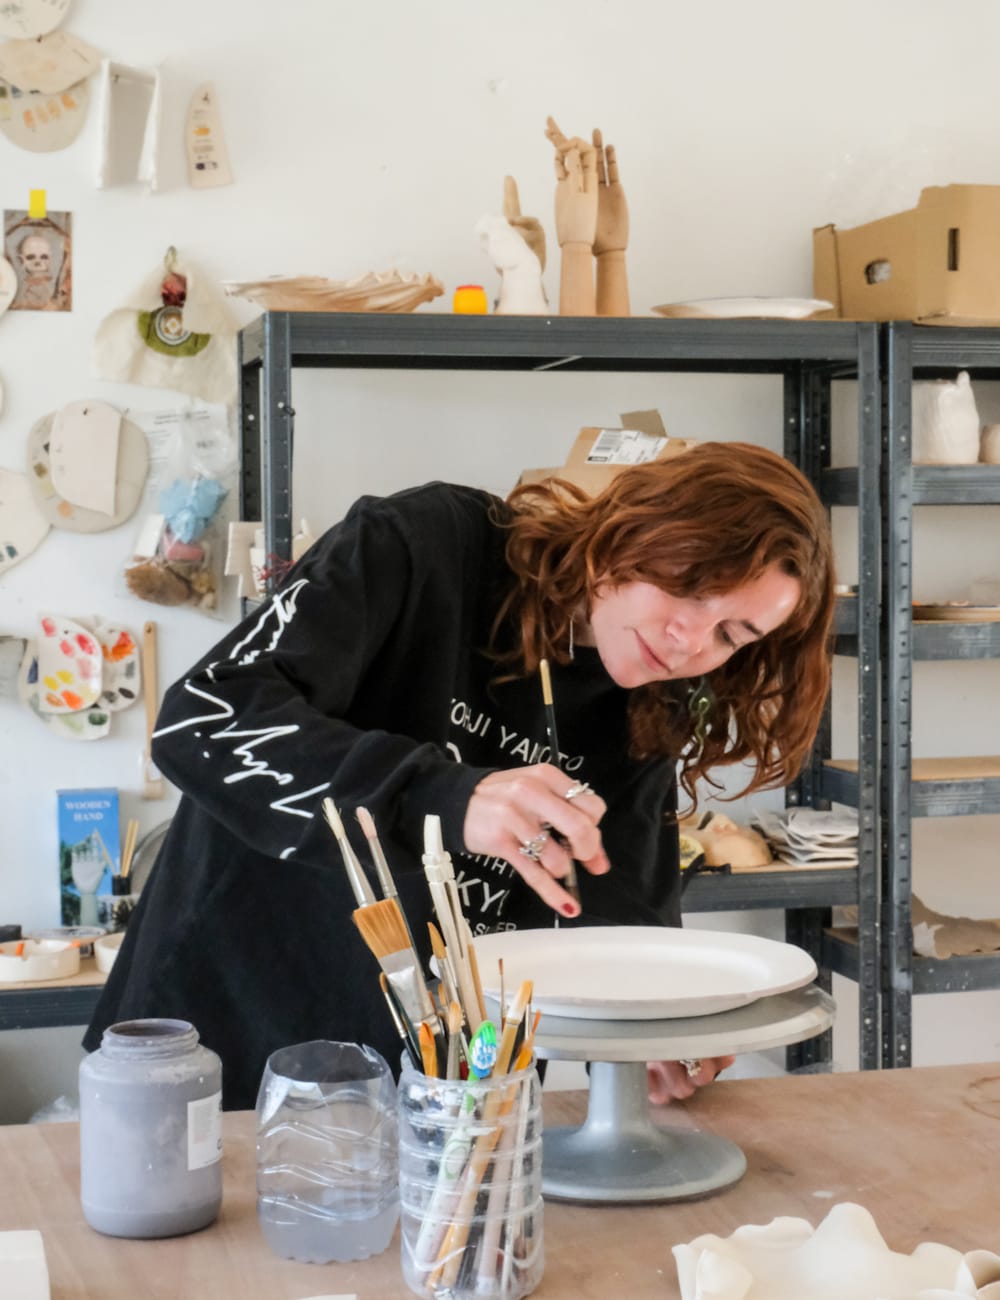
918, 351
809, 356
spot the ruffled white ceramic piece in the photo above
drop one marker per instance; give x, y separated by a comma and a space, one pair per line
41, 959
844, 1258
388, 291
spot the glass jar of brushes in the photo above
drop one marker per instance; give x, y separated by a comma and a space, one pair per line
470, 1181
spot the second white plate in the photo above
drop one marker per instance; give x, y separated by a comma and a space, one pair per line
640, 972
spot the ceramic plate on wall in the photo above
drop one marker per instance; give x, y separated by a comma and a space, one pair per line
120, 676
627, 972
89, 724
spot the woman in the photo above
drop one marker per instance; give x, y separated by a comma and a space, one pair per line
686, 613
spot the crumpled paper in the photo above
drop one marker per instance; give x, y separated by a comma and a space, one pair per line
844, 1258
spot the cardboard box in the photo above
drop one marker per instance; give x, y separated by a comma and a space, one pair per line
936, 264
89, 851
598, 455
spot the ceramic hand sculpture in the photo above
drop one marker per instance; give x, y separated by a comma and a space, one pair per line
611, 238
576, 220
529, 228
521, 292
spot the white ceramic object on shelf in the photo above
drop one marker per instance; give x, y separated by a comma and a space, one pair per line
41, 959
989, 444
745, 308
388, 291
637, 972
844, 1258
106, 950
945, 421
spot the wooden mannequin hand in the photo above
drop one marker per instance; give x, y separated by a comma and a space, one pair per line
670, 1080
576, 188
529, 228
612, 211
509, 809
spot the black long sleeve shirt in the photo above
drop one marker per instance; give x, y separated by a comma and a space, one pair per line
363, 679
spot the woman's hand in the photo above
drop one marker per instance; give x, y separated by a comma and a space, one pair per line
676, 1080
511, 809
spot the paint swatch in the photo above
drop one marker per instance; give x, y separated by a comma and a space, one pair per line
69, 665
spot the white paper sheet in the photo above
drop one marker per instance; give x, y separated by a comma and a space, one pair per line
83, 454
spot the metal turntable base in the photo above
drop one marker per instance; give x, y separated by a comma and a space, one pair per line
620, 1154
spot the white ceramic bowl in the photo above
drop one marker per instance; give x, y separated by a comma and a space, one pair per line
106, 950
41, 959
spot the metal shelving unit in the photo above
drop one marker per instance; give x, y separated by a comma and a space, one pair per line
907, 791
808, 355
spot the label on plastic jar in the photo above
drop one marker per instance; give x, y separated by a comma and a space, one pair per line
204, 1131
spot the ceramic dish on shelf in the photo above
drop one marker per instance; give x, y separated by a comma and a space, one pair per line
40, 959
106, 950
630, 972
955, 611
745, 308
82, 936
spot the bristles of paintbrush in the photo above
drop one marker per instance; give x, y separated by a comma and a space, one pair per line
384, 931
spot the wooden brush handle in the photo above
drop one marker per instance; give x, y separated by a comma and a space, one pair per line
150, 692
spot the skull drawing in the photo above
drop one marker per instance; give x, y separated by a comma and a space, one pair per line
36, 257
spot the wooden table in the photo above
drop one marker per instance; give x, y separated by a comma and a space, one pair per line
919, 1148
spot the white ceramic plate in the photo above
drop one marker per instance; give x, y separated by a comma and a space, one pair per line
629, 972
747, 308
40, 959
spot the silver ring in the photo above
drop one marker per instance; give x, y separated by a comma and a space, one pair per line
577, 789
533, 848
691, 1064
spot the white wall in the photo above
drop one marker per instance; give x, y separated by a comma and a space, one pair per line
366, 137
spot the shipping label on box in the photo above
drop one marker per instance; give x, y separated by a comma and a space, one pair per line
624, 447
89, 851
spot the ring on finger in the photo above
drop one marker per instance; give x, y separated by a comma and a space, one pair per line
576, 789
533, 848
692, 1065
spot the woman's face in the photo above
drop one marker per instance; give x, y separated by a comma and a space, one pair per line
643, 634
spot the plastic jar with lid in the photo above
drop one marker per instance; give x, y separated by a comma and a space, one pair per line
150, 1131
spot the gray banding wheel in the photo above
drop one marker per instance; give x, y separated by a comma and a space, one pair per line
619, 1154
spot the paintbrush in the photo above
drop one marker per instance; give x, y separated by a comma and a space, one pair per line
454, 928
454, 1037
384, 931
367, 823
363, 892
569, 881
397, 1019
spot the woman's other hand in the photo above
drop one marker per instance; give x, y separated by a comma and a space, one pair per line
676, 1080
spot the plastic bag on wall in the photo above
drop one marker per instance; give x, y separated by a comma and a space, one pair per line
179, 551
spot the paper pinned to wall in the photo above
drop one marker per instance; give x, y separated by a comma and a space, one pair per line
129, 105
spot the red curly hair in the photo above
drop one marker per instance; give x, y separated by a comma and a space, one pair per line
698, 524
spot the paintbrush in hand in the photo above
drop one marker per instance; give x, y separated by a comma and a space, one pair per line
569, 881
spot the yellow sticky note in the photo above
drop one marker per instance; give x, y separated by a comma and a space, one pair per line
36, 204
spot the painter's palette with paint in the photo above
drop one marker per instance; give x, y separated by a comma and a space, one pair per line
74, 675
